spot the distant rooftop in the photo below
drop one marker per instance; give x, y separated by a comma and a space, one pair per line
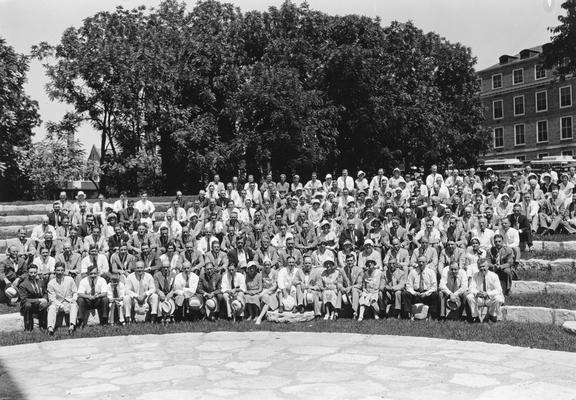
506, 59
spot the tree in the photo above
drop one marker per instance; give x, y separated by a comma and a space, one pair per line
18, 116
561, 52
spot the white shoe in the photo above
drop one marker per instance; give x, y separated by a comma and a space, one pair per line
360, 319
326, 317
376, 317
258, 321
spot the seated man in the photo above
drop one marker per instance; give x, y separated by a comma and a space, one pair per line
34, 299
116, 295
308, 287
233, 287
140, 290
122, 262
209, 286
94, 259
164, 281
453, 290
421, 287
286, 286
392, 285
485, 290
62, 297
351, 287
502, 260
11, 268
92, 295
185, 288
552, 211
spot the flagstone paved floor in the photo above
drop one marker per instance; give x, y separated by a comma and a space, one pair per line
272, 365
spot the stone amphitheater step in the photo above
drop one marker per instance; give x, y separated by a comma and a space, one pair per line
43, 208
540, 315
35, 219
558, 264
536, 287
540, 245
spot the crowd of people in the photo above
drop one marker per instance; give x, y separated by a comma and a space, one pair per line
416, 245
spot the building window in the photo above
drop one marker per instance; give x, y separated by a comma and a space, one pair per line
519, 137
566, 128
517, 76
498, 137
521, 158
539, 72
541, 101
498, 109
567, 153
565, 96
542, 155
479, 83
542, 131
519, 105
496, 81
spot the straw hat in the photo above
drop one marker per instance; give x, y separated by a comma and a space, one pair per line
288, 303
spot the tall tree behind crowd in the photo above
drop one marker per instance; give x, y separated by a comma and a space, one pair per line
18, 116
290, 89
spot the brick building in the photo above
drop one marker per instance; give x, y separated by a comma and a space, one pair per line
530, 111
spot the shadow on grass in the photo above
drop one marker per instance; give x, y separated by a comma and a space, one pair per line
9, 390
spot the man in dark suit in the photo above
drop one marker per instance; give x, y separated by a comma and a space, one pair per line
521, 223
56, 216
129, 215
10, 268
117, 240
240, 256
34, 299
149, 257
502, 259
355, 236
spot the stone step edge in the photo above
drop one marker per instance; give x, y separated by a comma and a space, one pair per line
539, 315
554, 246
537, 287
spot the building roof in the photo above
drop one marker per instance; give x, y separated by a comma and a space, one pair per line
94, 154
515, 59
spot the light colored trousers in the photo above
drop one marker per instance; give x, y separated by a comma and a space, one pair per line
129, 304
493, 304
53, 310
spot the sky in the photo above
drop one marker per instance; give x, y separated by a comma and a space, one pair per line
489, 27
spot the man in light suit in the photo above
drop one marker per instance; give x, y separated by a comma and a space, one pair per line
485, 290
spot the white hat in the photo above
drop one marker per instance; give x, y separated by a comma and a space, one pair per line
344, 298
237, 306
420, 311
315, 201
309, 298
288, 303
324, 222
211, 304
361, 173
389, 210
369, 241
167, 307
80, 193
195, 302
11, 292
328, 176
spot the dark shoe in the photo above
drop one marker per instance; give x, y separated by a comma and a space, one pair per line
301, 309
281, 309
50, 332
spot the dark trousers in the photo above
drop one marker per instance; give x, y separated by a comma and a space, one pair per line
505, 276
99, 304
31, 307
408, 299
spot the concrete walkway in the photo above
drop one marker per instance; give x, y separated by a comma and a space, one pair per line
272, 365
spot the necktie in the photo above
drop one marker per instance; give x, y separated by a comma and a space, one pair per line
56, 218
421, 281
115, 291
123, 204
140, 287
484, 284
186, 285
232, 285
36, 289
82, 218
166, 288
92, 287
453, 285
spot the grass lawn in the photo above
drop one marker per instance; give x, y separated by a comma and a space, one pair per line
549, 300
547, 275
516, 334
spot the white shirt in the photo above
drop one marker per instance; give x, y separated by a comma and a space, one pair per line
286, 278
180, 284
135, 285
511, 237
493, 287
239, 282
347, 182
45, 267
485, 237
174, 228
101, 263
39, 231
101, 286
145, 205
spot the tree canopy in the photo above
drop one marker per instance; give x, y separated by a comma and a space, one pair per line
177, 95
18, 116
561, 52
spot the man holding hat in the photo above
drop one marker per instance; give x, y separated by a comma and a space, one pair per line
209, 286
233, 287
140, 291
453, 291
163, 282
92, 295
62, 298
351, 287
392, 285
34, 299
185, 287
11, 268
